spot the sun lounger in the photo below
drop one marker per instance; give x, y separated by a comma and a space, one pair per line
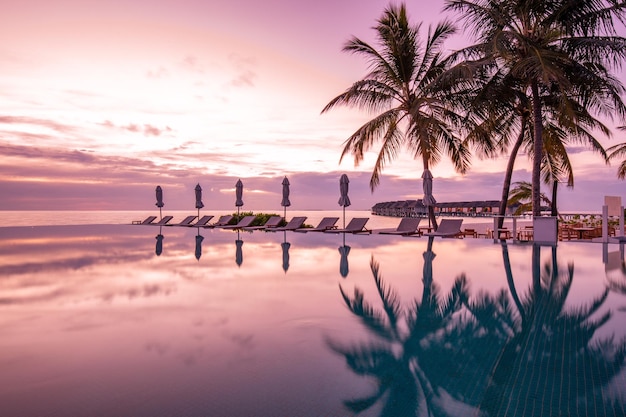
165, 220
407, 226
222, 221
293, 224
244, 222
447, 228
204, 220
356, 225
186, 221
148, 220
271, 223
325, 224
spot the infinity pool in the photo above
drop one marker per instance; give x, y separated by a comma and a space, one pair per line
121, 320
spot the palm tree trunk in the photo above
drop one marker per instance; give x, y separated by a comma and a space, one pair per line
506, 186
537, 150
553, 210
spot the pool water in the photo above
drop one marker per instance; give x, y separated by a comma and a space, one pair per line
121, 320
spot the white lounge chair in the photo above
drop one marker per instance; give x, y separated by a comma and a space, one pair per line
222, 221
185, 222
148, 220
407, 226
293, 224
243, 222
325, 224
447, 228
165, 220
203, 221
356, 225
271, 223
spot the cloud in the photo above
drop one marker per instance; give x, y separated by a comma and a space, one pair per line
158, 73
34, 121
245, 74
145, 129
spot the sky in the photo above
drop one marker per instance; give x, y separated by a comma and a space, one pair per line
100, 102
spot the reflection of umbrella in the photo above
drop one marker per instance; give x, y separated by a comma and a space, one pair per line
238, 252
159, 243
199, 203
285, 202
285, 245
238, 194
343, 263
199, 240
429, 255
344, 200
159, 199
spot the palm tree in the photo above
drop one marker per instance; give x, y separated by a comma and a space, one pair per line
554, 49
619, 151
411, 108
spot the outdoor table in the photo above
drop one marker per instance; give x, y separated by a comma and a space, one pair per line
581, 231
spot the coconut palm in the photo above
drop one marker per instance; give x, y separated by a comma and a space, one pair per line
411, 109
554, 49
619, 152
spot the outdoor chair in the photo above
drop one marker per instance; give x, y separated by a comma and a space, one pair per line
186, 221
325, 224
407, 226
165, 220
203, 221
294, 223
271, 223
244, 222
356, 225
222, 221
148, 220
447, 228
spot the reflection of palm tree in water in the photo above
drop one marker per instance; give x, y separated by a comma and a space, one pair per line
526, 358
551, 366
409, 347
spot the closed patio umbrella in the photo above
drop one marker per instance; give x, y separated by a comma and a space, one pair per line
285, 201
159, 199
199, 203
238, 195
427, 184
344, 200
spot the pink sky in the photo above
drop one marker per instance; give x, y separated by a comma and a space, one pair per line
102, 101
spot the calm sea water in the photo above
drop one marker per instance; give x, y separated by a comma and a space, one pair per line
112, 319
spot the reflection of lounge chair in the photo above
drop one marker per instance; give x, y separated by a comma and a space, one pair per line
163, 221
271, 223
222, 221
244, 222
325, 224
356, 225
186, 221
293, 224
407, 226
204, 220
447, 228
148, 220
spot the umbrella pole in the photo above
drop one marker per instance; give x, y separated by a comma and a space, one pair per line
160, 215
344, 217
